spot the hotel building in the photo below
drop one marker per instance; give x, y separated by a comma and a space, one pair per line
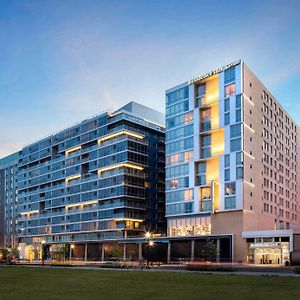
232, 166
8, 201
95, 183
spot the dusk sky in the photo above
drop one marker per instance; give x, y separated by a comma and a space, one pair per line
63, 61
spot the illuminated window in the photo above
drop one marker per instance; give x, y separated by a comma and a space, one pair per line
188, 118
174, 159
229, 90
229, 188
188, 195
188, 156
205, 194
174, 183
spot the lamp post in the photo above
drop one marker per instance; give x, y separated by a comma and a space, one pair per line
150, 242
72, 246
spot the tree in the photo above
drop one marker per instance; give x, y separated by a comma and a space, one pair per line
14, 252
116, 251
210, 251
63, 252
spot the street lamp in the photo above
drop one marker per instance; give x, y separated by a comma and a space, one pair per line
71, 248
148, 235
151, 243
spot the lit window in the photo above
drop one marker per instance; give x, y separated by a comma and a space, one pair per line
229, 90
229, 188
174, 183
188, 156
188, 118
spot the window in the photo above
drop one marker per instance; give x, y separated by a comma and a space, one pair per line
177, 95
230, 189
239, 158
239, 173
206, 140
236, 145
227, 175
229, 90
188, 118
174, 183
202, 167
238, 115
227, 119
235, 131
238, 101
227, 161
227, 104
205, 146
201, 173
229, 75
202, 89
230, 202
205, 193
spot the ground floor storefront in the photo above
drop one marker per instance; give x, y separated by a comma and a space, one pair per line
272, 247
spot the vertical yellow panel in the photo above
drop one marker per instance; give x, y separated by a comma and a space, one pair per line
217, 143
215, 116
212, 89
212, 170
217, 197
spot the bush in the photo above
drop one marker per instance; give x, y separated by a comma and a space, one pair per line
209, 267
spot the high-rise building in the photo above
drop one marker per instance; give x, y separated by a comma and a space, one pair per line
8, 200
99, 181
232, 165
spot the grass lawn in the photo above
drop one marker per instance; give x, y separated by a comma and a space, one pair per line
37, 283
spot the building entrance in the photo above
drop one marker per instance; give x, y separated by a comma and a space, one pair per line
268, 251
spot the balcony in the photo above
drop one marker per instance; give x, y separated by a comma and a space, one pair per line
205, 125
206, 205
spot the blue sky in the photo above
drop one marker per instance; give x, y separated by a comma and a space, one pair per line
62, 61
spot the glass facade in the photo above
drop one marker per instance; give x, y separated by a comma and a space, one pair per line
204, 118
102, 179
179, 152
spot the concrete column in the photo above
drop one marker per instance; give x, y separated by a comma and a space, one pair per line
140, 251
124, 251
192, 250
218, 250
102, 252
85, 251
169, 253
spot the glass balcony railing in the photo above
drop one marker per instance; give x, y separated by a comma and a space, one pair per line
205, 125
206, 205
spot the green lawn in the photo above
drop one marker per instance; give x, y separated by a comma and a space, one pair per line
37, 283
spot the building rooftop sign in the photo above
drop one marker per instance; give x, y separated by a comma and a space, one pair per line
215, 71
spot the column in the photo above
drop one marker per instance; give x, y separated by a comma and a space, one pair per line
218, 250
192, 250
140, 251
102, 252
124, 251
169, 253
85, 251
